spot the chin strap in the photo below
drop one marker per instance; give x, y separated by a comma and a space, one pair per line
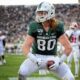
32, 57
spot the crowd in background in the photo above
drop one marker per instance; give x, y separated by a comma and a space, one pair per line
15, 19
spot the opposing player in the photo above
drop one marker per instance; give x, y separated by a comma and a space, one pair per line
73, 34
79, 46
2, 48
42, 36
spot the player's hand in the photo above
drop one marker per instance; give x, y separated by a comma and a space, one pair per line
41, 63
53, 64
38, 61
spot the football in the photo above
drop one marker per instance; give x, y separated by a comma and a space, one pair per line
49, 63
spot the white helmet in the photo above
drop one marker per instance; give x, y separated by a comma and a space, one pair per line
74, 25
49, 8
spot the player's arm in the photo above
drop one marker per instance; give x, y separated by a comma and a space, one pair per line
27, 44
65, 42
67, 50
63, 39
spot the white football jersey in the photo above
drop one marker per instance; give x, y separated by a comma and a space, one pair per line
1, 42
73, 36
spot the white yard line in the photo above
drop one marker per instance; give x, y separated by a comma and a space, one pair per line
34, 78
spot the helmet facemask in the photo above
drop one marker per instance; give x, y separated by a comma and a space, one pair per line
42, 17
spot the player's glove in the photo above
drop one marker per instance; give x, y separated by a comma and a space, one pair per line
40, 63
53, 64
57, 62
32, 57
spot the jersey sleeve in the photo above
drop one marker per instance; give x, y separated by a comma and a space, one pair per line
60, 29
32, 30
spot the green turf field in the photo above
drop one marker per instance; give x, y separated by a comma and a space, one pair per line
11, 68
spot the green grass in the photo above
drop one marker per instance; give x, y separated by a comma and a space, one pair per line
11, 68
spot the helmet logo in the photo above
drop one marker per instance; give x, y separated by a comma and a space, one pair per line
40, 5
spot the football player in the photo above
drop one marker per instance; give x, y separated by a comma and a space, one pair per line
73, 35
2, 48
79, 46
42, 36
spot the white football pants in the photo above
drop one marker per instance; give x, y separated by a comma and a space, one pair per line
28, 67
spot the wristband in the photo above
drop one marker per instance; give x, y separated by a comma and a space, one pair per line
32, 57
63, 58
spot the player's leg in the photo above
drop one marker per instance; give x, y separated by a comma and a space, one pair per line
64, 72
68, 76
79, 52
1, 63
3, 58
76, 60
26, 69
